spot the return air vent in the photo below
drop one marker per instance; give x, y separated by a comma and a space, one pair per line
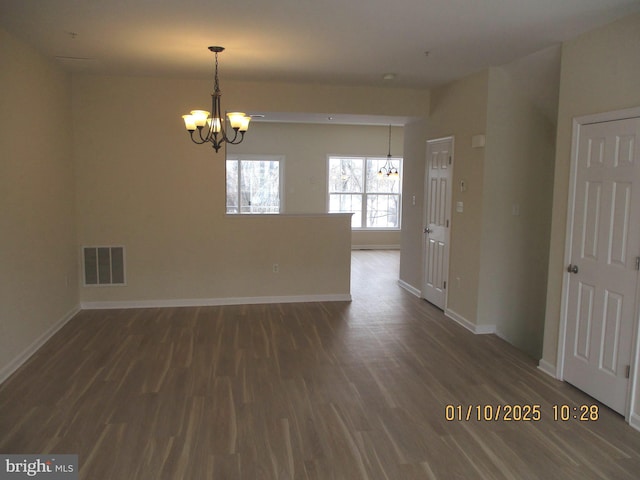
103, 265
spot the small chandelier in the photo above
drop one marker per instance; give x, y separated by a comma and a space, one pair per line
388, 169
211, 125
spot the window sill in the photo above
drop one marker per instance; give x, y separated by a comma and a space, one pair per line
259, 215
360, 229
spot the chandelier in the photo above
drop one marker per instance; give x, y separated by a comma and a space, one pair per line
210, 126
388, 169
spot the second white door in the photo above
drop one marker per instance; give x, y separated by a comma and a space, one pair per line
603, 264
438, 175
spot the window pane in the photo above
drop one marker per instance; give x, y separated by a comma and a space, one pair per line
382, 184
232, 186
259, 186
345, 175
345, 204
383, 211
354, 186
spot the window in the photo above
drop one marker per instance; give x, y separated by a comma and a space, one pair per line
254, 184
354, 186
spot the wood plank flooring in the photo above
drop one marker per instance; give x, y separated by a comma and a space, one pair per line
300, 391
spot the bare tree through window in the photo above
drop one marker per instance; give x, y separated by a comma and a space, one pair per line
355, 186
254, 185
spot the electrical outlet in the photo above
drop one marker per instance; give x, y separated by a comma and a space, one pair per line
276, 268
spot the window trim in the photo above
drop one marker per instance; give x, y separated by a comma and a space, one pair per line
254, 157
399, 162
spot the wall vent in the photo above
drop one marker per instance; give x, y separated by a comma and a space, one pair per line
103, 265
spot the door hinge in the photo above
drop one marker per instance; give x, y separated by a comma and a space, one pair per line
627, 372
448, 227
637, 263
445, 286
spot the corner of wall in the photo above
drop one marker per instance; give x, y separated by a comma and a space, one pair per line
39, 257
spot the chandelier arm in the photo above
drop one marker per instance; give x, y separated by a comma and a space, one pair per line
203, 138
236, 140
214, 112
235, 136
210, 135
217, 113
207, 128
195, 139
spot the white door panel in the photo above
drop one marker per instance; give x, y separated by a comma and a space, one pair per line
605, 242
436, 232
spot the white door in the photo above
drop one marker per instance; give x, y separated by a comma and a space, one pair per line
601, 308
438, 177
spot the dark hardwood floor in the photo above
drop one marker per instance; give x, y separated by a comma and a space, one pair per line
302, 391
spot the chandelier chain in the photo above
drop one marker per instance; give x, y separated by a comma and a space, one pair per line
217, 81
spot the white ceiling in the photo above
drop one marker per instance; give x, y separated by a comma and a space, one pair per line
346, 42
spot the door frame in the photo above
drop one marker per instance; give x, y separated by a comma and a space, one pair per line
578, 122
424, 214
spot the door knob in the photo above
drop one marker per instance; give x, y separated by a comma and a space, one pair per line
572, 268
427, 230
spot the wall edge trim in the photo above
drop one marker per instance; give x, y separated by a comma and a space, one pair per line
212, 302
547, 368
27, 353
477, 329
410, 288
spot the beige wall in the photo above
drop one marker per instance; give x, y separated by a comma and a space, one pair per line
306, 148
38, 273
305, 98
498, 260
143, 184
458, 109
518, 181
461, 110
600, 73
411, 236
376, 240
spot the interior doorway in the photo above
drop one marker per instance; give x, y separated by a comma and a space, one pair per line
438, 177
601, 286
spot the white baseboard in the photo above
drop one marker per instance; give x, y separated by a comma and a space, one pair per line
410, 288
17, 362
209, 302
472, 327
485, 329
547, 368
375, 247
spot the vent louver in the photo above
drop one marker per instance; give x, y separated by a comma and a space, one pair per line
103, 265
